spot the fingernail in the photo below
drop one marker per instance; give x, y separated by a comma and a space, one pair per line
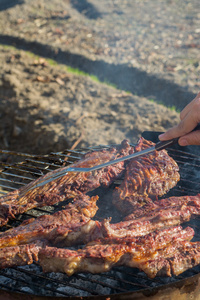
183, 142
161, 135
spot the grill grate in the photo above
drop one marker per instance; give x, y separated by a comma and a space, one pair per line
24, 168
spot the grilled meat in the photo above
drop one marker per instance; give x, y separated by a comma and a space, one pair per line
20, 255
151, 209
156, 219
73, 225
46, 227
160, 216
103, 255
68, 186
147, 177
173, 260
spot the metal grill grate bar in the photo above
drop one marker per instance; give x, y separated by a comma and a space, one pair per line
119, 280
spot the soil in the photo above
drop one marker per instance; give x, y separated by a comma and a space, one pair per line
148, 50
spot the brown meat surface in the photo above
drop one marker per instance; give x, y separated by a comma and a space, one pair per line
68, 186
173, 260
46, 227
20, 255
103, 255
73, 225
146, 178
167, 212
173, 204
163, 215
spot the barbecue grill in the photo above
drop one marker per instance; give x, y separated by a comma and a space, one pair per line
29, 282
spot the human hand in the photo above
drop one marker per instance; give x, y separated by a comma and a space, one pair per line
190, 117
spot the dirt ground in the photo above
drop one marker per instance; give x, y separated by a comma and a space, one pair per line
149, 51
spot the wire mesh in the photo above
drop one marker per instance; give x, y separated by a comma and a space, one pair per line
24, 168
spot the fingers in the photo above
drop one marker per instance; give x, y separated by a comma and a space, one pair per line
190, 117
192, 138
183, 128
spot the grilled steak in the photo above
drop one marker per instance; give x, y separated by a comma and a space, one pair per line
147, 177
68, 186
154, 219
46, 227
73, 225
20, 255
103, 255
173, 260
152, 209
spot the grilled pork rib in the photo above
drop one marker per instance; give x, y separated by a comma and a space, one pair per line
165, 213
20, 255
68, 186
173, 260
152, 209
46, 227
146, 177
73, 225
102, 255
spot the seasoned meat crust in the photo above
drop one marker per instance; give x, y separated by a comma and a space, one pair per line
47, 227
173, 260
102, 255
189, 204
69, 186
157, 219
148, 238
74, 225
20, 255
148, 176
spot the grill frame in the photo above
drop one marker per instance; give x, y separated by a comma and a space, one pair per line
55, 160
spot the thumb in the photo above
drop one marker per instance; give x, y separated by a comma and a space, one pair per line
192, 138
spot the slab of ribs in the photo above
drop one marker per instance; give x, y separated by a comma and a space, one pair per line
149, 236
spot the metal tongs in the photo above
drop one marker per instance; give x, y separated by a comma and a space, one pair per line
158, 146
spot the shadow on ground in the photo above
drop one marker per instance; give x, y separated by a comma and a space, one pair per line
6, 4
86, 8
121, 75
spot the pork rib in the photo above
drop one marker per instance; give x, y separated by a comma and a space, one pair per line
20, 255
163, 215
147, 177
68, 186
173, 260
152, 209
103, 255
45, 227
73, 225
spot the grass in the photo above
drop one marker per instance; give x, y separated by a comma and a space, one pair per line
172, 108
78, 72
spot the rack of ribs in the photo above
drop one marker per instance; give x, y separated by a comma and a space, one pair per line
69, 186
20, 255
74, 225
46, 227
172, 260
151, 208
102, 255
166, 212
146, 178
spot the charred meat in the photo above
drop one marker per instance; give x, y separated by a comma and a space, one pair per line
173, 260
46, 227
173, 204
103, 255
146, 178
162, 213
74, 225
20, 255
68, 186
